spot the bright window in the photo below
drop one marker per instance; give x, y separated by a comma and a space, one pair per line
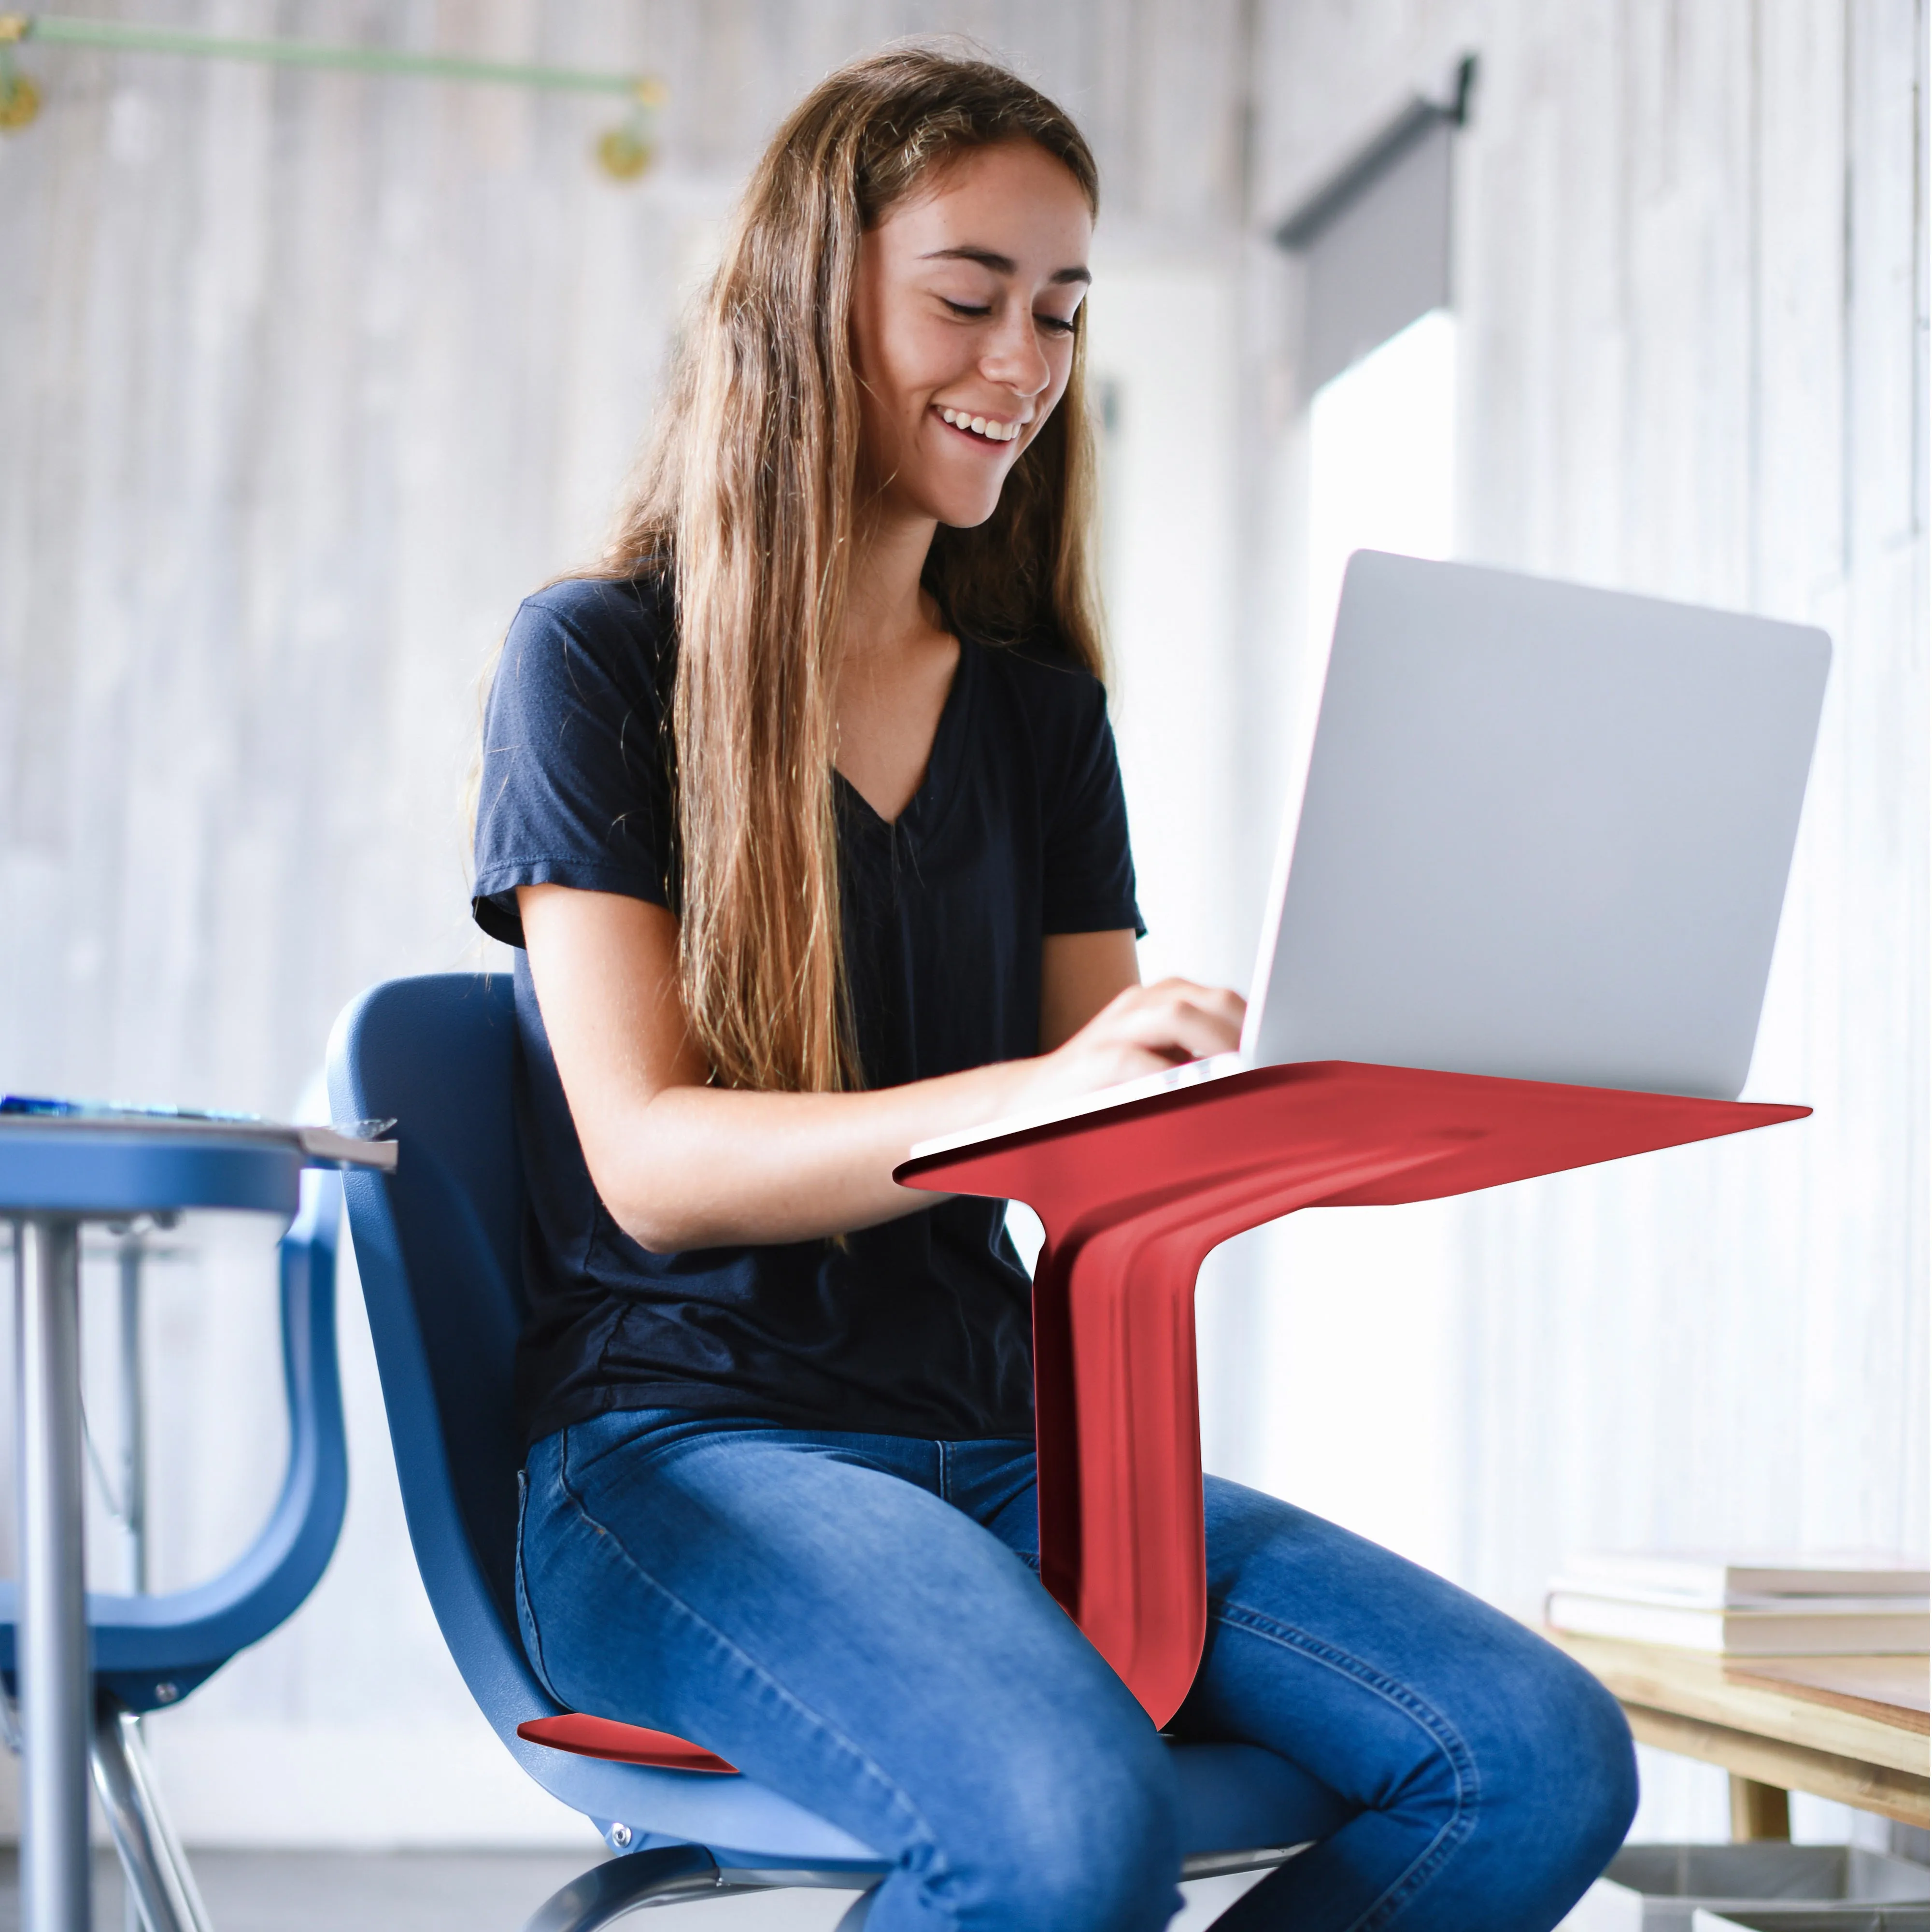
1382, 460
1361, 1421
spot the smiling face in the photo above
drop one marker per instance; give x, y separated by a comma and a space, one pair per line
962, 329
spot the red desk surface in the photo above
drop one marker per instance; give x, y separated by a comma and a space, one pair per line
1133, 1198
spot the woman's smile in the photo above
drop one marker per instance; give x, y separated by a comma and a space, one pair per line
983, 429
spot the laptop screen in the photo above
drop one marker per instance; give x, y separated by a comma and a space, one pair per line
1546, 833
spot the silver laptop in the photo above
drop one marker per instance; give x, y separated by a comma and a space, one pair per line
1545, 835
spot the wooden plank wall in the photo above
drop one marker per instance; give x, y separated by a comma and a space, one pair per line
304, 380
1691, 281
307, 379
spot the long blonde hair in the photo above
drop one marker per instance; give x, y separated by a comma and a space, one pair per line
748, 497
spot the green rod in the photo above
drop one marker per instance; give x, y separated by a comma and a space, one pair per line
56, 30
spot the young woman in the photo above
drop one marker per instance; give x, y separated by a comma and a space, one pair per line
805, 816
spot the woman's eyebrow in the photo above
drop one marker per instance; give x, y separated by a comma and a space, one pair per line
1000, 264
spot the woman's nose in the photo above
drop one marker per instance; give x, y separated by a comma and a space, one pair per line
1015, 359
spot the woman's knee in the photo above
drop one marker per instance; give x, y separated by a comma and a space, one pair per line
1070, 1838
1570, 1769
1602, 1760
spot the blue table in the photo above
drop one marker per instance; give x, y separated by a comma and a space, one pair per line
56, 1175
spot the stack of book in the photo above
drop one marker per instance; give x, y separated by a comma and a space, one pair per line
1762, 1606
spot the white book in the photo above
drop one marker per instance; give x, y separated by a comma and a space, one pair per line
1784, 1605
1713, 1578
1827, 1628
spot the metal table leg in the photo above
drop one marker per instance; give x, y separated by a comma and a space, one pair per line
124, 1734
133, 1419
52, 1660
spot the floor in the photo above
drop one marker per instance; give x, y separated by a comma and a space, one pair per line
444, 1891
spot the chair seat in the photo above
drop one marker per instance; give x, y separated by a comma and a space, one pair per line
1233, 1796
623, 1744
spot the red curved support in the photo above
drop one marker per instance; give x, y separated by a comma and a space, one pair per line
1134, 1197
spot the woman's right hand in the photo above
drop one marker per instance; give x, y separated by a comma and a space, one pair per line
1144, 1030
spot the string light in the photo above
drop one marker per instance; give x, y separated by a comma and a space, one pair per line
624, 152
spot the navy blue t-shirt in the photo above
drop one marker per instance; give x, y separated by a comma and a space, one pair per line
922, 1327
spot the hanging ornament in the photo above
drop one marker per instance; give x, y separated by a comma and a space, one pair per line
20, 97
625, 151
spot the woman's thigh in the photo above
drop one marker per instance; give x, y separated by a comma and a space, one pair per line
810, 1608
1492, 1777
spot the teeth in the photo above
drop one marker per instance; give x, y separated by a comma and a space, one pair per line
991, 427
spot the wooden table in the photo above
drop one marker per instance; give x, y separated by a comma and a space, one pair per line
1854, 1729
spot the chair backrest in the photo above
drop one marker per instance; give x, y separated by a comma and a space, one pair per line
152, 1651
437, 1246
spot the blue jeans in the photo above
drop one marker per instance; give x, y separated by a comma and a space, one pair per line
855, 1621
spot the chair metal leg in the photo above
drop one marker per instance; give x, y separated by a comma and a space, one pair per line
160, 1884
675, 1872
857, 1912
672, 1873
608, 1891
1217, 1864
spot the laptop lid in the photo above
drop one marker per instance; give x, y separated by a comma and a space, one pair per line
1546, 833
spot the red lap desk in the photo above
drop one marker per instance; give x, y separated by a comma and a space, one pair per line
1133, 1198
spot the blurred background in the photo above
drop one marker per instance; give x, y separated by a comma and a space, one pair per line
306, 378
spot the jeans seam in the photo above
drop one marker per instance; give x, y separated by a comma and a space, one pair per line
1447, 1739
533, 1642
875, 1772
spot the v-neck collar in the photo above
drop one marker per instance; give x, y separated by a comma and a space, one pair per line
924, 811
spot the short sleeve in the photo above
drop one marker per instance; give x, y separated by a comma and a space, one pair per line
575, 788
1088, 876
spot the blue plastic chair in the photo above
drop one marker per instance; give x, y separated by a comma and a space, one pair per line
438, 1245
148, 1651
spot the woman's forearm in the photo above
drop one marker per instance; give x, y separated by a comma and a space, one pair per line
702, 1167
680, 1163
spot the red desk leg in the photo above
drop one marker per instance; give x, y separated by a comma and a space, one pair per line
1135, 1197
1116, 1397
